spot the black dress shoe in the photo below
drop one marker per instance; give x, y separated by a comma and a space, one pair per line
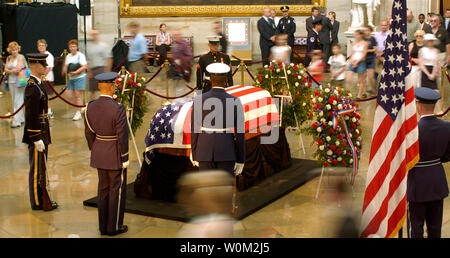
103, 233
54, 205
36, 208
122, 229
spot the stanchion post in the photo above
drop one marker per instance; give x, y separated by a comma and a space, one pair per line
122, 70
8, 99
242, 65
65, 55
443, 76
166, 65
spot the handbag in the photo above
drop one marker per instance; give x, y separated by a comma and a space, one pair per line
72, 67
23, 76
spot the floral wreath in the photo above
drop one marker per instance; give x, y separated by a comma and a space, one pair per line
135, 92
336, 129
272, 78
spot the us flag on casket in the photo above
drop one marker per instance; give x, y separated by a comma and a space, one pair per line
171, 125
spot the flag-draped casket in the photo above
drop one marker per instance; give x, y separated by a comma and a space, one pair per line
168, 143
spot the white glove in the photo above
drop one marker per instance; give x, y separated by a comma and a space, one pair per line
194, 163
39, 145
177, 61
238, 167
125, 164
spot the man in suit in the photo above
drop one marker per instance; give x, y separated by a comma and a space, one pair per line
106, 132
218, 126
287, 26
335, 29
274, 20
447, 21
422, 24
213, 56
324, 34
427, 184
267, 35
37, 133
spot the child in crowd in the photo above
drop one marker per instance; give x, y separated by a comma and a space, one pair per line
338, 65
281, 52
317, 67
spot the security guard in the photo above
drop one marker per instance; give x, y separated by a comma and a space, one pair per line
213, 56
106, 132
287, 25
37, 133
427, 184
217, 126
313, 41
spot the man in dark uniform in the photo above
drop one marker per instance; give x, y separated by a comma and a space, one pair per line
427, 184
217, 126
213, 56
106, 132
314, 41
37, 133
287, 26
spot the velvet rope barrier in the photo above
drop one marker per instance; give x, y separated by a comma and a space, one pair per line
167, 97
235, 71
61, 97
13, 114
444, 113
157, 72
251, 75
56, 96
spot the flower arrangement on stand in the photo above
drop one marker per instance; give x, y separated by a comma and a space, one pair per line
336, 128
272, 78
134, 96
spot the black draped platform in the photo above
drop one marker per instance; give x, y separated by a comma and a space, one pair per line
269, 173
249, 200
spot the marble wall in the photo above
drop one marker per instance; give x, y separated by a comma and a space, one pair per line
105, 18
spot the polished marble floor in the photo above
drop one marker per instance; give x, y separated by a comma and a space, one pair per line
298, 214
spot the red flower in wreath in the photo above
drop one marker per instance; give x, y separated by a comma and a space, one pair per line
334, 162
333, 148
314, 125
331, 130
319, 141
325, 164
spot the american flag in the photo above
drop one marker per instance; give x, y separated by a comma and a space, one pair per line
395, 146
171, 125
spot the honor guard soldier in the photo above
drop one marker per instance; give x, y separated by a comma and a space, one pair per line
213, 56
427, 184
106, 132
218, 134
313, 42
287, 26
37, 133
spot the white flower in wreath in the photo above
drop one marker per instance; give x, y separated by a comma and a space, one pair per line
297, 84
347, 118
306, 84
328, 138
299, 77
301, 72
304, 104
357, 143
321, 113
345, 152
114, 96
334, 102
267, 76
320, 99
139, 84
337, 143
340, 106
351, 161
330, 123
278, 70
321, 147
314, 100
339, 159
319, 129
274, 61
350, 135
354, 120
266, 66
292, 64
323, 120
288, 71
328, 107
357, 131
350, 95
330, 152
336, 92
327, 90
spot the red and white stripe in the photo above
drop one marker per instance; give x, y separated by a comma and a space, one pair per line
259, 110
394, 151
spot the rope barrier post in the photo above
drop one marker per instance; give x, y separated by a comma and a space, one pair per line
122, 70
443, 75
65, 55
242, 65
166, 65
8, 98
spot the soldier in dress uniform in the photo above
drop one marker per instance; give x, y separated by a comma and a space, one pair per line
37, 133
313, 42
287, 26
213, 56
106, 132
217, 126
427, 184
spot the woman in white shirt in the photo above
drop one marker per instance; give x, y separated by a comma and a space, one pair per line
49, 77
162, 43
75, 66
357, 62
338, 65
429, 64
